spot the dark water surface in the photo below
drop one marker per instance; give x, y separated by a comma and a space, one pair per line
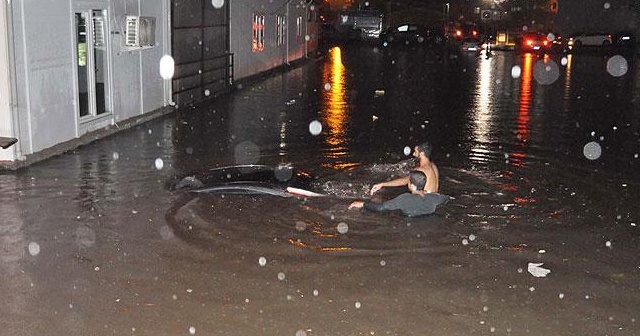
543, 167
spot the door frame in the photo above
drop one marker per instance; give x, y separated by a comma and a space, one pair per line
93, 120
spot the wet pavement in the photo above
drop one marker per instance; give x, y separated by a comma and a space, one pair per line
541, 158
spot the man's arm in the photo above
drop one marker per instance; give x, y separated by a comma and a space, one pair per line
401, 181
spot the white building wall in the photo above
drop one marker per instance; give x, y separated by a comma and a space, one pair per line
6, 120
43, 33
248, 62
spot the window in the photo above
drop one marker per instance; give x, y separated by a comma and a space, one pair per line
258, 33
299, 26
280, 30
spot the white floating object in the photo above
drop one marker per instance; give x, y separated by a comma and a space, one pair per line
537, 271
303, 192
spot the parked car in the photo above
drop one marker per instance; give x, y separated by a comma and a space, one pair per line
534, 42
465, 38
470, 45
580, 40
411, 34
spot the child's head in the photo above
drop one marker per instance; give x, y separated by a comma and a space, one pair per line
417, 179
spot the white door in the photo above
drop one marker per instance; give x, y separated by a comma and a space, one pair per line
92, 62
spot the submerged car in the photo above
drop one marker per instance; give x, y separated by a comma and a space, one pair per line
411, 34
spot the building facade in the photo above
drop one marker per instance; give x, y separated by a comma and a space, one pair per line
76, 70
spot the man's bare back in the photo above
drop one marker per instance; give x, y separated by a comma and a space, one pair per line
431, 170
421, 152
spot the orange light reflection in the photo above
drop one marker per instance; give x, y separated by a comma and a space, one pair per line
335, 114
522, 120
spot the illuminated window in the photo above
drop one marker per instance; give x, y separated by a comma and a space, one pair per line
258, 33
280, 30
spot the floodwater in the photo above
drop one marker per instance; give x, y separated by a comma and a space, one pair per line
540, 154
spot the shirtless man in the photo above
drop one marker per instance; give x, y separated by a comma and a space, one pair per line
422, 152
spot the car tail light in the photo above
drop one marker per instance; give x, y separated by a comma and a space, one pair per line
474, 33
458, 33
529, 42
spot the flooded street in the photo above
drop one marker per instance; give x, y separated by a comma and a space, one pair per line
540, 154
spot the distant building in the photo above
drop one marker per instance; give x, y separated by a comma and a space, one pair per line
595, 16
77, 70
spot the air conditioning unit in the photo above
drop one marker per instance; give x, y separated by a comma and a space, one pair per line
140, 31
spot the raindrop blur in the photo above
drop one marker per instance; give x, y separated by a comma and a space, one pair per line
407, 150
551, 37
617, 66
608, 244
561, 296
85, 237
607, 5
262, 261
592, 150
315, 127
516, 71
247, 152
217, 3
165, 232
465, 242
301, 333
546, 72
281, 276
34, 249
207, 93
167, 67
564, 60
358, 305
116, 155
301, 226
159, 164
327, 86
343, 228
315, 292
283, 172
192, 330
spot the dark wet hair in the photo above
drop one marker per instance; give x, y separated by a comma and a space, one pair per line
425, 148
418, 179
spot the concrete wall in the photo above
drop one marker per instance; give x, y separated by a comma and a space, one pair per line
248, 62
43, 33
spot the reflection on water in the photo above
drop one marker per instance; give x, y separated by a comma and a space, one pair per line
335, 114
482, 112
518, 157
567, 61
